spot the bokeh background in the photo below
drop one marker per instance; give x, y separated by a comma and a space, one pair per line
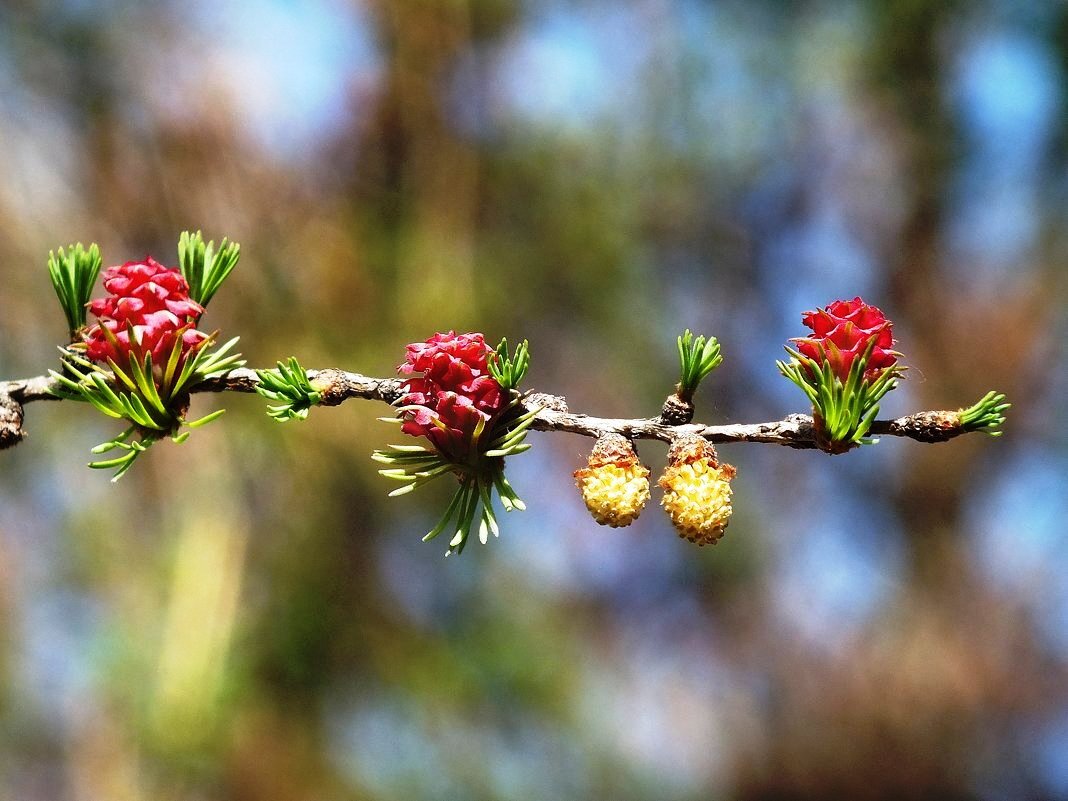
249, 617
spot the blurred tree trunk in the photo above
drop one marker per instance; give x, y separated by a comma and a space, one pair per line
907, 64
425, 180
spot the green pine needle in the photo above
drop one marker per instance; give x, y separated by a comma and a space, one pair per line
698, 357
987, 414
132, 450
74, 272
509, 370
290, 386
204, 268
137, 393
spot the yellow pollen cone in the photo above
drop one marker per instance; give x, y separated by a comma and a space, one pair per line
697, 490
614, 484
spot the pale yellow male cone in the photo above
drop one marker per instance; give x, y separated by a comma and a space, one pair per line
614, 484
697, 490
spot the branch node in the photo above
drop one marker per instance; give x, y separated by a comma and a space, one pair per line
677, 410
800, 430
11, 415
332, 385
546, 401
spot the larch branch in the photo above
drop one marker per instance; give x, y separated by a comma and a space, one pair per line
794, 431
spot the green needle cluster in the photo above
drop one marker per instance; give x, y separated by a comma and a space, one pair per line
289, 385
204, 268
153, 400
698, 356
74, 272
481, 476
986, 415
509, 370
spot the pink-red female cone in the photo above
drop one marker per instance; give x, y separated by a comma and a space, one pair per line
455, 391
151, 299
843, 330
